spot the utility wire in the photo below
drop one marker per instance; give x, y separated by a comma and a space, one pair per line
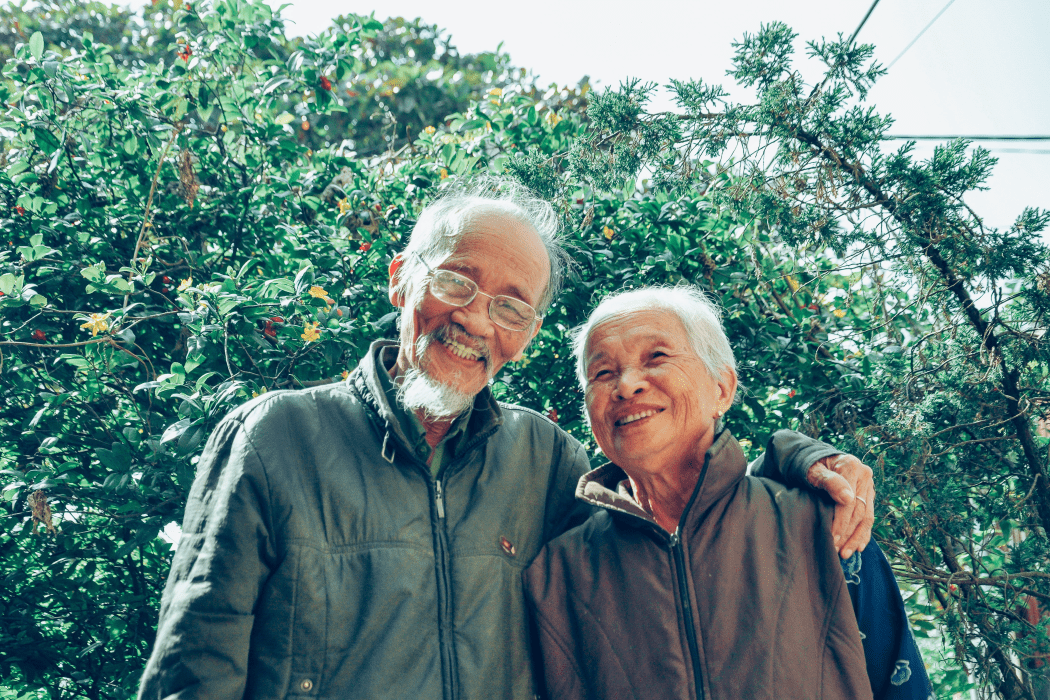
859, 26
917, 36
927, 137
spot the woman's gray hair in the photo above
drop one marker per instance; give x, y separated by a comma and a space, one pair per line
444, 222
701, 317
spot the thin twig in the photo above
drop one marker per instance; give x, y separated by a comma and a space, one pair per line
149, 204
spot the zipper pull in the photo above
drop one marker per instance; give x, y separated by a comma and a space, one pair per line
440, 500
674, 539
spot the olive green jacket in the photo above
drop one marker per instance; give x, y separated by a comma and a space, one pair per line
320, 558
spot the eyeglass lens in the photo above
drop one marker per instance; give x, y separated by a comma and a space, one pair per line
457, 290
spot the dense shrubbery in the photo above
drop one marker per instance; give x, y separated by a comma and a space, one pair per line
182, 233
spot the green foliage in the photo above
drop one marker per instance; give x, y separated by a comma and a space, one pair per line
941, 337
195, 221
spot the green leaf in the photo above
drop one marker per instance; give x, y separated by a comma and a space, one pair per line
36, 45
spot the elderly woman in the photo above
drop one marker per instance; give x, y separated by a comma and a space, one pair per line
694, 580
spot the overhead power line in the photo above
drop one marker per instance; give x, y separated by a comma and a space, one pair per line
861, 25
929, 137
917, 36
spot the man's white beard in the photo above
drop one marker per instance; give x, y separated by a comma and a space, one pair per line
421, 393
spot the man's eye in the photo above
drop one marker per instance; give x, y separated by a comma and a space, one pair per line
602, 373
659, 353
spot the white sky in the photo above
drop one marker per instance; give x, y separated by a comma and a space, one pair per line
982, 68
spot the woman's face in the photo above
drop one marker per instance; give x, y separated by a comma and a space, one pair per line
652, 403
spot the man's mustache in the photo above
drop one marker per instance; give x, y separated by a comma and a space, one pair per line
457, 333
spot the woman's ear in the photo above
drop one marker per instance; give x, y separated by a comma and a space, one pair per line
728, 391
397, 297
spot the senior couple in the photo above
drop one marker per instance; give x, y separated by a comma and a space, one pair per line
370, 539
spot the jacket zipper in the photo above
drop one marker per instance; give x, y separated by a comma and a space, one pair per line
444, 586
439, 498
687, 610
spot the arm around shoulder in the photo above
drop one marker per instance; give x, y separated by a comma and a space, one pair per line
788, 456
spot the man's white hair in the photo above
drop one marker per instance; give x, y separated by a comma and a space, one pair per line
444, 222
700, 316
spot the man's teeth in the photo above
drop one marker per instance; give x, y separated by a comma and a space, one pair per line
461, 350
636, 416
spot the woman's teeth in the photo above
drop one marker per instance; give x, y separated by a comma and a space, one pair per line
636, 416
461, 350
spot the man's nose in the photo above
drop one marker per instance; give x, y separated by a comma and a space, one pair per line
632, 382
474, 317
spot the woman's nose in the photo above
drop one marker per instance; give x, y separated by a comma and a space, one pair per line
632, 382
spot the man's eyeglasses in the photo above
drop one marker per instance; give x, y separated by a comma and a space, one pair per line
457, 290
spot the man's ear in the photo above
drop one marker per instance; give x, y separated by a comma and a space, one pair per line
521, 353
397, 297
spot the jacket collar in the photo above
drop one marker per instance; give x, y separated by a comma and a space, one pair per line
485, 415
724, 465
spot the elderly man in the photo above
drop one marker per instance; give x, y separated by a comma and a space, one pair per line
366, 539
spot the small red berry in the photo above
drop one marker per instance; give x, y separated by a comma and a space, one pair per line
365, 247
39, 335
270, 330
791, 394
277, 319
326, 84
165, 279
553, 414
20, 210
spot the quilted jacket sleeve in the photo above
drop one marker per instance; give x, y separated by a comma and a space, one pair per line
788, 456
223, 558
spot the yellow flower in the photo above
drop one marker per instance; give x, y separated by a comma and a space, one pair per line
345, 374
839, 313
609, 233
344, 205
430, 130
496, 92
444, 173
318, 293
310, 332
185, 284
792, 282
97, 323
552, 118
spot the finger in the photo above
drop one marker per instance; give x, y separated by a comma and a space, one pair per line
864, 519
844, 521
839, 488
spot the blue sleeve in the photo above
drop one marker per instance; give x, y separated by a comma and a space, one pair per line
895, 667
